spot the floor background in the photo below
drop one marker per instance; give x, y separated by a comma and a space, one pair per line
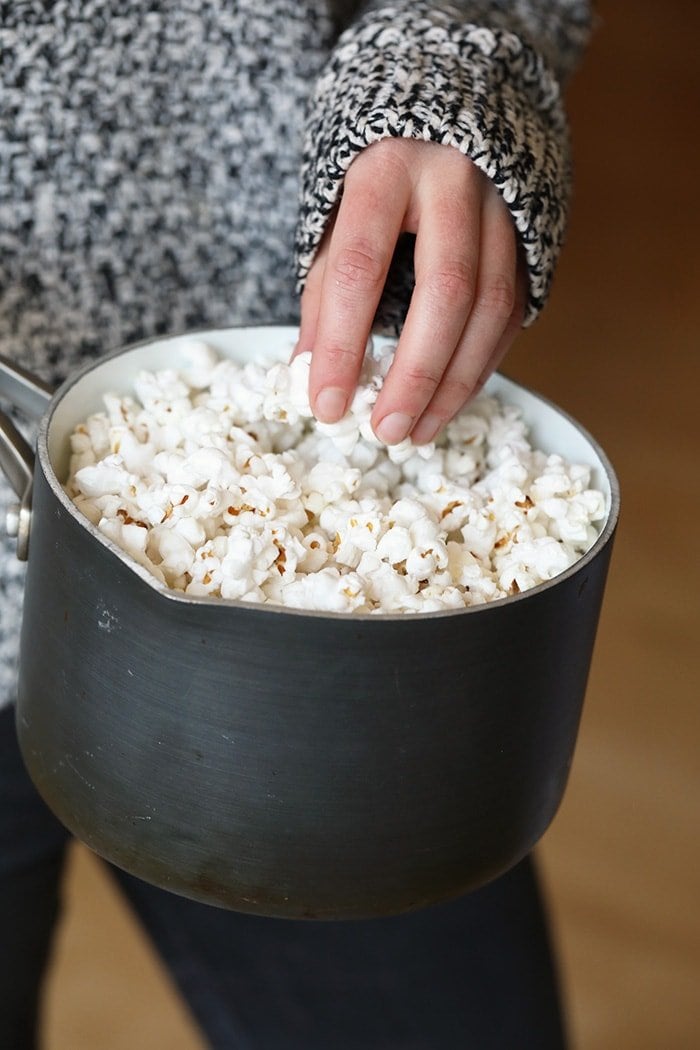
619, 348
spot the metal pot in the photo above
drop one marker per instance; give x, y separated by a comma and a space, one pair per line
285, 762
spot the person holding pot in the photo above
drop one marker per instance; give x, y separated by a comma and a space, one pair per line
160, 168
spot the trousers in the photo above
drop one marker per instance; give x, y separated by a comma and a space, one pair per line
473, 974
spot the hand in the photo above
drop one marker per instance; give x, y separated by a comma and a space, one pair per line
469, 299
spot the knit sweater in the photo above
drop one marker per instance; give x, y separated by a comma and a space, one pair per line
166, 165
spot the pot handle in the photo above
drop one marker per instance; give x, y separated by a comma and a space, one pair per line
23, 389
31, 396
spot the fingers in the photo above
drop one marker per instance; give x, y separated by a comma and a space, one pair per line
446, 267
468, 301
311, 297
339, 307
512, 329
492, 324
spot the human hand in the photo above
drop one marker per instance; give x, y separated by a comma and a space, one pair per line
469, 299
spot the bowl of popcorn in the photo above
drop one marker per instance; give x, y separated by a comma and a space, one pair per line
280, 667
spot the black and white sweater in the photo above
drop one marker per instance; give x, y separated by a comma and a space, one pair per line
167, 165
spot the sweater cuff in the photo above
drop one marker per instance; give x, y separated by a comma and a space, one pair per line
418, 73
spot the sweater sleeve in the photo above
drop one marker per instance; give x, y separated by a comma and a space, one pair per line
482, 76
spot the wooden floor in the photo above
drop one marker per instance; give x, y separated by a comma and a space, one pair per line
619, 348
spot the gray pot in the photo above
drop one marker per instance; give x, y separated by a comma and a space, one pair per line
285, 762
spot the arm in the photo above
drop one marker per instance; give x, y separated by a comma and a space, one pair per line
408, 79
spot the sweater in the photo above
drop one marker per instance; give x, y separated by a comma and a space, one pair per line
166, 166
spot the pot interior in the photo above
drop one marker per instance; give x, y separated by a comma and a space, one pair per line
551, 429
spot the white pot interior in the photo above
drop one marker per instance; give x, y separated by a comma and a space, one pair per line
550, 429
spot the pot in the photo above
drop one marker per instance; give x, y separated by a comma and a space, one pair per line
279, 761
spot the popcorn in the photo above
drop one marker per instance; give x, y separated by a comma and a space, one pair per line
108, 476
395, 545
249, 557
531, 562
326, 591
170, 550
388, 589
217, 479
316, 552
200, 360
327, 483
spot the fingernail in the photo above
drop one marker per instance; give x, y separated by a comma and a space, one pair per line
330, 404
393, 428
425, 429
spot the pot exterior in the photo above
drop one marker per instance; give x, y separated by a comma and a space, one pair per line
289, 764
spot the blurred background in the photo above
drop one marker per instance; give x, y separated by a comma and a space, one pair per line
619, 348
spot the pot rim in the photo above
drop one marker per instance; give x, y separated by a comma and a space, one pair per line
145, 578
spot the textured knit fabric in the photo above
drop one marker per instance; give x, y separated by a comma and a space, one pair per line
415, 71
150, 156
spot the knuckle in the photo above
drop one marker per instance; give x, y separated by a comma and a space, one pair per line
453, 284
359, 267
339, 358
419, 378
497, 297
385, 159
455, 392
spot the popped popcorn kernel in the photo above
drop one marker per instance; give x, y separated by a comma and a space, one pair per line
218, 480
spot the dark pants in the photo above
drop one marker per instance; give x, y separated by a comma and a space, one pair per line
475, 974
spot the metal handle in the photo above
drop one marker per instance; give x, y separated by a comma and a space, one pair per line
17, 463
23, 389
16, 457
31, 396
